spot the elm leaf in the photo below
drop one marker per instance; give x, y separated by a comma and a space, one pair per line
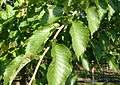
93, 19
37, 40
80, 37
60, 67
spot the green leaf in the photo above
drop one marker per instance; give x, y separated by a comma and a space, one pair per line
60, 67
115, 4
102, 3
34, 46
51, 15
80, 37
36, 1
111, 12
8, 13
113, 65
100, 45
102, 6
72, 79
13, 68
93, 19
84, 3
37, 40
23, 24
0, 27
54, 13
101, 12
85, 62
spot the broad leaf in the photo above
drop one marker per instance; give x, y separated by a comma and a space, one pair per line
80, 37
14, 67
34, 46
93, 19
60, 67
37, 40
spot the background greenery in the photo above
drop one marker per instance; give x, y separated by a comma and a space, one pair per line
90, 39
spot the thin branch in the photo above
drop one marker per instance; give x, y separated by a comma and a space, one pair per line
42, 56
36, 69
60, 28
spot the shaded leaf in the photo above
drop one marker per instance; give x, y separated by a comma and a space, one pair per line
103, 4
115, 4
113, 65
71, 80
84, 3
54, 13
80, 37
60, 67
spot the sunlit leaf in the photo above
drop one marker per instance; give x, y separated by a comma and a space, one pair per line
113, 65
34, 46
37, 40
71, 80
60, 67
85, 62
9, 12
111, 12
102, 7
80, 37
93, 19
101, 12
13, 68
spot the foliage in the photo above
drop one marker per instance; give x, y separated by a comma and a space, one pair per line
91, 33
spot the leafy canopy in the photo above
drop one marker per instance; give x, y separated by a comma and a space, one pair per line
91, 34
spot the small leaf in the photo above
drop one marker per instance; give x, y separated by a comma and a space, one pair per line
111, 12
101, 12
23, 24
115, 4
13, 68
54, 13
93, 19
80, 37
85, 63
37, 40
8, 13
102, 6
60, 67
72, 79
113, 65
